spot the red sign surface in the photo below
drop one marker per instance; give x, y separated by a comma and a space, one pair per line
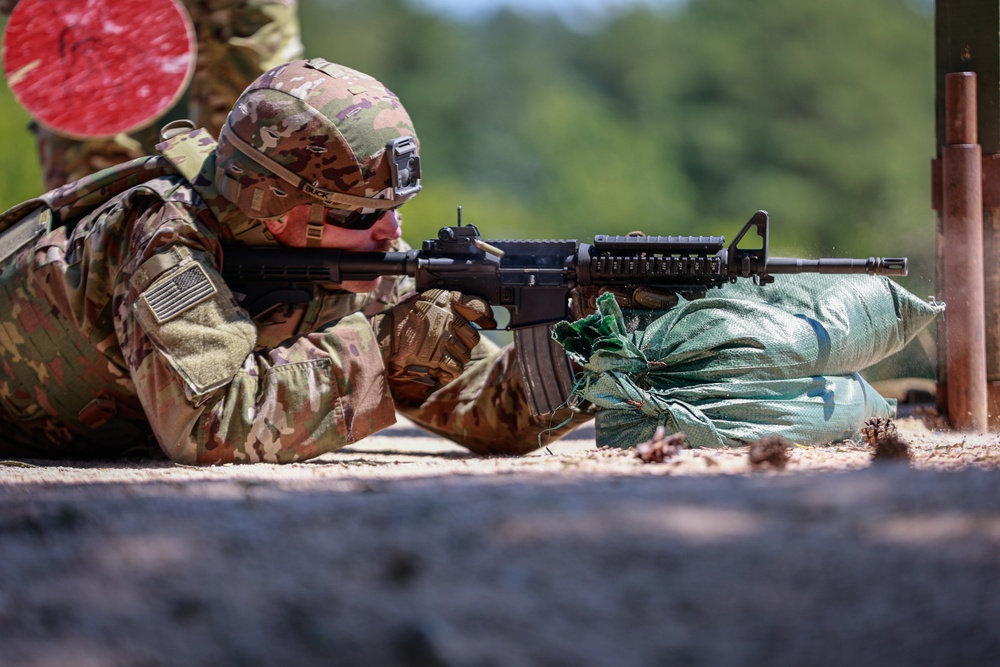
94, 68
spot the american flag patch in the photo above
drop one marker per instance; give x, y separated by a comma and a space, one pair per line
179, 293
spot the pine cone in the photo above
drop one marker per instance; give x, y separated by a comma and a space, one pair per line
891, 449
771, 450
881, 435
877, 430
661, 447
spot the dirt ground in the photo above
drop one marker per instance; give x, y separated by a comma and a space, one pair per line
405, 550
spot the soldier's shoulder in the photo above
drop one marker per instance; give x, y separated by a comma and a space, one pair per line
172, 188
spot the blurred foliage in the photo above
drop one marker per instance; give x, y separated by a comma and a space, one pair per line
679, 120
682, 120
20, 174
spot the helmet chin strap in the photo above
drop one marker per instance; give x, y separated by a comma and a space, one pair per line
314, 228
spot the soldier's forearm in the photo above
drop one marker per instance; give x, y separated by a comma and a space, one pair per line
296, 401
485, 410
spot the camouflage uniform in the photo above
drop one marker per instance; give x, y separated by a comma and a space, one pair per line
238, 40
119, 328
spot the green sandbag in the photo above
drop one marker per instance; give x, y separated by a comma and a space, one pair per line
746, 361
812, 410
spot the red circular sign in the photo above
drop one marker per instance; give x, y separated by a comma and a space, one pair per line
94, 68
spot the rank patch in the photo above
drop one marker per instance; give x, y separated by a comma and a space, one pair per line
179, 293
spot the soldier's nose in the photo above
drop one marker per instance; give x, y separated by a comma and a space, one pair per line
388, 227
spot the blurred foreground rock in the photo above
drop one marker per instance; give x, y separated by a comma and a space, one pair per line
406, 551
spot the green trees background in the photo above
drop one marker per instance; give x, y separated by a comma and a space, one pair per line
681, 120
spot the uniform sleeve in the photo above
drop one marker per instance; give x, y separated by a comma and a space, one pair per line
485, 409
210, 395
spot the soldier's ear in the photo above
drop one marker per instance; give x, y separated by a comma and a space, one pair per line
276, 226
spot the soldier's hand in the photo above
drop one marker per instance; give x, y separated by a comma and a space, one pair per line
583, 300
428, 338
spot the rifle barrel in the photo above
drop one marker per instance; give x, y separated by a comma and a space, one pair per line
875, 266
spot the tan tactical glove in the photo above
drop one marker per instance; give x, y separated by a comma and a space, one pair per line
583, 300
427, 339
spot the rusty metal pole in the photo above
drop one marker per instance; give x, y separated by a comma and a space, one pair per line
962, 213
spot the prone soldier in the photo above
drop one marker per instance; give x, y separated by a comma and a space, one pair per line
118, 327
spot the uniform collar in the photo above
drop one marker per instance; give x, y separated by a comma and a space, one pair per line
193, 154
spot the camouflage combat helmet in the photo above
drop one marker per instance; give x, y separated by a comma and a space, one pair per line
312, 132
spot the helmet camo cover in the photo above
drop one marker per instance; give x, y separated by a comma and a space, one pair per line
315, 132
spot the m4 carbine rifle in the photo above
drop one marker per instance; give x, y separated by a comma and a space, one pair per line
532, 280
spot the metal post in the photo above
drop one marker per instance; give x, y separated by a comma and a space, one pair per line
962, 220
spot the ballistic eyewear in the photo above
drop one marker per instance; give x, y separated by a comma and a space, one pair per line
355, 220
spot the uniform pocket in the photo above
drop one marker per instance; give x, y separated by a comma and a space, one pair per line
191, 318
